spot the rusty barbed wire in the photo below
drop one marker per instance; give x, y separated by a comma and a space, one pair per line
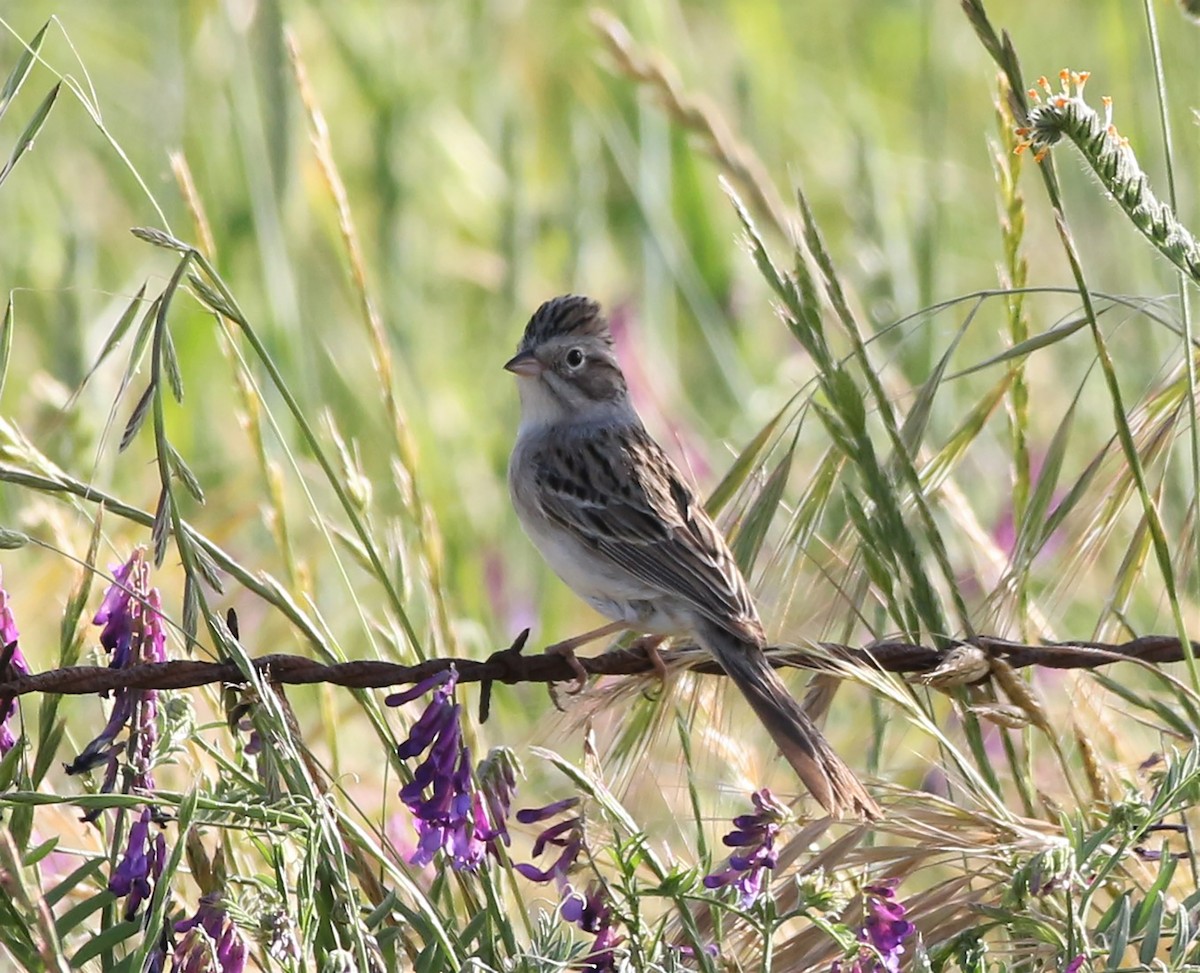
511, 666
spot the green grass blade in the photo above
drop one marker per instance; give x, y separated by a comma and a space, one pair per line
6, 335
25, 139
16, 77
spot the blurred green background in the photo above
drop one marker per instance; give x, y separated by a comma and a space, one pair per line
494, 154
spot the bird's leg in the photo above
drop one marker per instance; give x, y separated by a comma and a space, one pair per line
567, 647
649, 644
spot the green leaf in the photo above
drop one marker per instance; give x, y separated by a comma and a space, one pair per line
6, 333
1119, 937
69, 632
1142, 700
1042, 340
743, 466
473, 930
1184, 933
50, 735
1153, 930
25, 140
753, 525
35, 855
815, 500
1031, 532
912, 432
208, 569
17, 936
10, 764
140, 340
88, 906
72, 883
119, 330
106, 942
16, 77
943, 462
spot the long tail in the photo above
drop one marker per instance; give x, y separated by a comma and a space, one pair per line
821, 770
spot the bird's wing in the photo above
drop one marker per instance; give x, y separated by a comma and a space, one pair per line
616, 490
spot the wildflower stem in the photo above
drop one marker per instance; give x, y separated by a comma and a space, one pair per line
1066, 114
768, 934
1185, 307
1062, 114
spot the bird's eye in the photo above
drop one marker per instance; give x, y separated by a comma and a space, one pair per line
574, 358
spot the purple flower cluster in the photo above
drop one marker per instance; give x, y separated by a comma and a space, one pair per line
211, 942
592, 913
566, 834
13, 663
497, 775
589, 911
133, 633
450, 812
140, 866
755, 834
882, 935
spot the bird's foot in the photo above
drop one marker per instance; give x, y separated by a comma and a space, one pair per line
566, 649
649, 645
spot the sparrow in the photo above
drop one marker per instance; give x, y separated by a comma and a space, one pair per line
620, 525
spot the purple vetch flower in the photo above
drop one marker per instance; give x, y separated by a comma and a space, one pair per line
114, 613
497, 776
882, 935
133, 633
755, 833
566, 834
592, 913
253, 745
449, 811
590, 910
15, 666
140, 867
603, 955
211, 942
1076, 964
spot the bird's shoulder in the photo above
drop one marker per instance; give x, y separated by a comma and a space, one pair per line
605, 466
616, 487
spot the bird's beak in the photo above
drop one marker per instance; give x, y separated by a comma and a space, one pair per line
525, 364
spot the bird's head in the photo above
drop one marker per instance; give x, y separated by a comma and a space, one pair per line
566, 366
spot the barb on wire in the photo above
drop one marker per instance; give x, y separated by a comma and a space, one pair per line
510, 666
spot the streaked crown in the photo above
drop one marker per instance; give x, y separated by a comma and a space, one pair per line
569, 315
